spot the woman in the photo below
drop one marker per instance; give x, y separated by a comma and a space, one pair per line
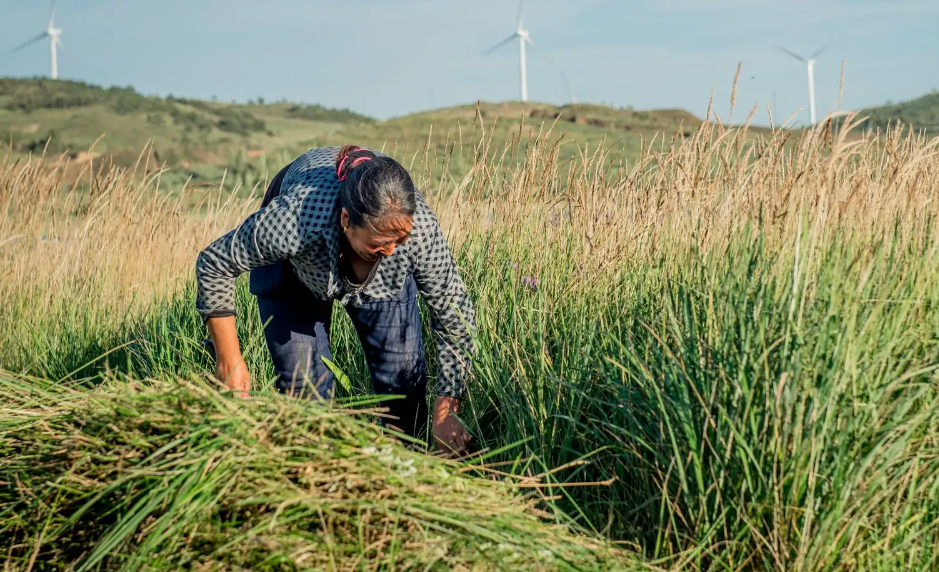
345, 224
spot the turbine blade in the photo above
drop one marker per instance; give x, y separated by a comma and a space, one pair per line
819, 51
529, 41
791, 54
65, 54
500, 44
520, 3
27, 43
51, 12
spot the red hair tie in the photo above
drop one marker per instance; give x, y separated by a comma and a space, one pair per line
355, 162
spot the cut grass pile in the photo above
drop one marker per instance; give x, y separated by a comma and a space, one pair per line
149, 475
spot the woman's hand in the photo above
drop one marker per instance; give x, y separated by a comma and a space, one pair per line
234, 373
230, 366
449, 434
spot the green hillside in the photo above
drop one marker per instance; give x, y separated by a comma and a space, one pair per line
202, 140
922, 114
189, 135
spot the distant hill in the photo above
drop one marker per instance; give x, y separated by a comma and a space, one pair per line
922, 114
200, 140
610, 118
71, 116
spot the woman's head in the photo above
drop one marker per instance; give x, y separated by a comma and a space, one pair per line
378, 200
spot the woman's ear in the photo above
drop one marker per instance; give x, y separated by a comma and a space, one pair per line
344, 218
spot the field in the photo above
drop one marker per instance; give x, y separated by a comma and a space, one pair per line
717, 355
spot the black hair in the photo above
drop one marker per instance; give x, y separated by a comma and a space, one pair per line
373, 186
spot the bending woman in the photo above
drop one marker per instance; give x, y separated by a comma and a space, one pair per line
345, 224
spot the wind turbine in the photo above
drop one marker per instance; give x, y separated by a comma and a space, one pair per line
523, 37
810, 65
55, 42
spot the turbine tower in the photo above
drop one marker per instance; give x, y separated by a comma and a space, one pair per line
523, 37
55, 42
810, 66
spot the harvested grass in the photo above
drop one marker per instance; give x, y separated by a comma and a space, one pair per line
165, 475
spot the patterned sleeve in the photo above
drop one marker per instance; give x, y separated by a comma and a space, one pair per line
271, 234
453, 317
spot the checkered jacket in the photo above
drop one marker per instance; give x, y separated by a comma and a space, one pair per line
301, 225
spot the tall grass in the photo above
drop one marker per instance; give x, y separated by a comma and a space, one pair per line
739, 334
82, 249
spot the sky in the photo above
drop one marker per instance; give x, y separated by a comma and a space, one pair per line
388, 58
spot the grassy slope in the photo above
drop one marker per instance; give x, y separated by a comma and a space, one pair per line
921, 113
127, 121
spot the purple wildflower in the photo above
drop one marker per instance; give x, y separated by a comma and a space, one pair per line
531, 282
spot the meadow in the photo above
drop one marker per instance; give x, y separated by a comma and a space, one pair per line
718, 355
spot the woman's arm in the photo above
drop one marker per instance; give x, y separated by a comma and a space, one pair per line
267, 236
453, 320
453, 317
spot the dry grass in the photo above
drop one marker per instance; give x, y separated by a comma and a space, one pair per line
113, 236
108, 234
700, 192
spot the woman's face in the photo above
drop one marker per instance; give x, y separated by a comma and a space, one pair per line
371, 244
